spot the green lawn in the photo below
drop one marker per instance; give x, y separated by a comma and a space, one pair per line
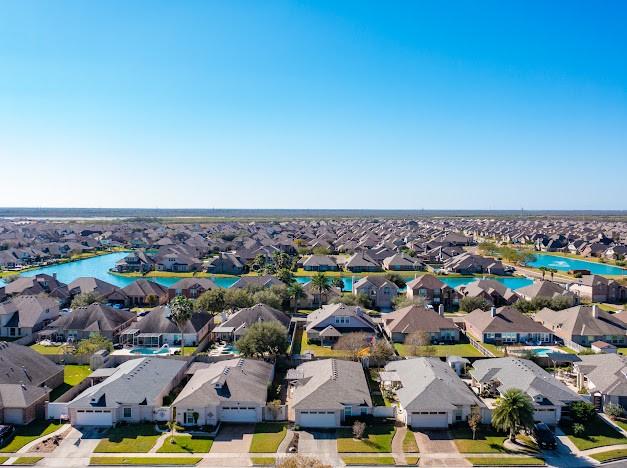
375, 392
26, 434
27, 461
506, 461
409, 442
146, 461
267, 437
369, 461
487, 440
135, 438
598, 434
3, 459
610, 455
189, 350
412, 460
266, 461
463, 350
378, 438
47, 349
621, 424
321, 351
72, 375
186, 444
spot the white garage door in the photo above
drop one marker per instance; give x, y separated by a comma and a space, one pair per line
316, 418
547, 416
94, 418
238, 414
429, 419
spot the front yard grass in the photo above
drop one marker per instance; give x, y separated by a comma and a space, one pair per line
27, 461
487, 440
144, 461
264, 461
186, 444
412, 460
3, 459
597, 434
377, 439
506, 461
409, 442
72, 375
463, 350
610, 455
26, 434
369, 461
267, 437
135, 438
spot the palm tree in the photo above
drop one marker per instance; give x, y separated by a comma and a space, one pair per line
543, 269
181, 310
513, 410
296, 292
553, 271
321, 283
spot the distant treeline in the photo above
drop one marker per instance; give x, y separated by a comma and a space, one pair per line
156, 213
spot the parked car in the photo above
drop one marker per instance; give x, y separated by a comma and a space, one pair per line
544, 436
6, 434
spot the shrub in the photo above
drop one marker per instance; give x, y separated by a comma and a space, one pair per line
613, 410
468, 304
359, 428
582, 411
578, 429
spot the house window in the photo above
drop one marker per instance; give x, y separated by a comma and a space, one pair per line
348, 411
127, 412
189, 417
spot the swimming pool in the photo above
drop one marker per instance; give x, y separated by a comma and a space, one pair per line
150, 351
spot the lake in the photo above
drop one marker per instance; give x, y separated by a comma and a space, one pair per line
98, 267
567, 263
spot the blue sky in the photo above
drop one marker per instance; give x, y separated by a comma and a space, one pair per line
278, 104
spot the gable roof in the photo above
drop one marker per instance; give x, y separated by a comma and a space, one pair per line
21, 365
248, 316
581, 320
606, 372
158, 321
414, 319
315, 318
94, 317
507, 320
426, 281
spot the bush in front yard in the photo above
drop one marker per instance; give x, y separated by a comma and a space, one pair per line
359, 428
582, 411
613, 410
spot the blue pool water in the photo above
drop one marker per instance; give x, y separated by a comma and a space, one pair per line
566, 264
98, 267
147, 351
541, 351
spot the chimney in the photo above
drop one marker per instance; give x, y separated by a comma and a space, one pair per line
595, 311
492, 311
441, 310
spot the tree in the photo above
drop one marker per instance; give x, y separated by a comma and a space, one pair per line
93, 344
10, 278
488, 248
237, 298
582, 411
396, 279
401, 301
282, 261
420, 344
268, 297
211, 300
381, 350
85, 299
359, 428
468, 304
473, 421
338, 282
579, 429
320, 282
296, 293
264, 339
543, 269
353, 343
181, 310
259, 264
512, 412
285, 275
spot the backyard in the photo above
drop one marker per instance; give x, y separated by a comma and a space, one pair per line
72, 375
462, 349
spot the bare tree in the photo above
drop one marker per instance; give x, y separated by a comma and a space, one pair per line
473, 421
353, 343
420, 344
359, 428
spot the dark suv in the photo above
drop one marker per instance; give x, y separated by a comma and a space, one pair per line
6, 434
544, 436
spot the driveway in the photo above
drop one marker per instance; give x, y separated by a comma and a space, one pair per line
319, 444
437, 448
233, 438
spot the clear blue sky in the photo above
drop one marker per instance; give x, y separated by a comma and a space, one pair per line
338, 104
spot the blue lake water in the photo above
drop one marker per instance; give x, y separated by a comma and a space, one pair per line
98, 267
566, 264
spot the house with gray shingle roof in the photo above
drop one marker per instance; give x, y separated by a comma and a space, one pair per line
82, 322
329, 322
25, 315
505, 325
323, 393
604, 377
380, 290
236, 325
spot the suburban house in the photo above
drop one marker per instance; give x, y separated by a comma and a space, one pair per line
599, 289
361, 262
545, 289
137, 261
505, 325
313, 298
172, 260
94, 319
131, 394
468, 264
494, 292
36, 285
604, 377
144, 293
430, 394
234, 390
325, 392
101, 289
26, 379
402, 262
157, 329
265, 281
24, 315
191, 288
226, 264
236, 325
433, 292
401, 323
329, 322
493, 377
380, 290
318, 263
584, 325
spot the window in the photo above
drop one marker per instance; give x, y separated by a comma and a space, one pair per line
128, 412
348, 411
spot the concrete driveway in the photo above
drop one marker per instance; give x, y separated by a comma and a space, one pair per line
233, 438
319, 444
